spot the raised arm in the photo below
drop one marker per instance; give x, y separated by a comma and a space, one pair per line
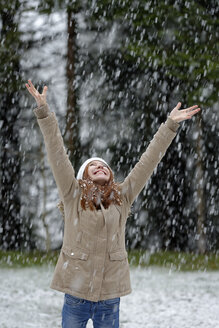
60, 164
137, 178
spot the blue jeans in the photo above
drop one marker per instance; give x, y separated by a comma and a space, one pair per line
76, 312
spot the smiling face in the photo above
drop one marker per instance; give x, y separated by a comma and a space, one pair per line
98, 172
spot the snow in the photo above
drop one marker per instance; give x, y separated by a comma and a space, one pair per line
160, 299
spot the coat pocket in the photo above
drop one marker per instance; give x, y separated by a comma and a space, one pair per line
75, 269
116, 273
75, 253
118, 255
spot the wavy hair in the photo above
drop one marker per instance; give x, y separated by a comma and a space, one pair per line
94, 194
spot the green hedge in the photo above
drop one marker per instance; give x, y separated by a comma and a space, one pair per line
176, 261
27, 259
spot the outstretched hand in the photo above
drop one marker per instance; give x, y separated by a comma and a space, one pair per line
40, 98
183, 114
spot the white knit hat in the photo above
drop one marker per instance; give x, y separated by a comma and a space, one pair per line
82, 168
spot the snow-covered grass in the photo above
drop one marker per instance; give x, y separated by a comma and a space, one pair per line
160, 299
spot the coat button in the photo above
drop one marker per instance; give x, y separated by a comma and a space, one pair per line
72, 253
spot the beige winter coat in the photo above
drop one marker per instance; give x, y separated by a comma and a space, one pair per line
93, 260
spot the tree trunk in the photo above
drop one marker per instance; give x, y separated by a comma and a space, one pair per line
71, 134
10, 161
201, 240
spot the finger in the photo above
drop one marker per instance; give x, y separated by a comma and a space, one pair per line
190, 114
30, 90
194, 111
45, 90
190, 108
27, 86
178, 105
32, 86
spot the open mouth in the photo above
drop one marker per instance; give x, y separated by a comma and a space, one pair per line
99, 172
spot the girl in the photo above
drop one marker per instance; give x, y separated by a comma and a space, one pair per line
92, 269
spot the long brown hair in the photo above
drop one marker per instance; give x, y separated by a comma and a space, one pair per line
93, 193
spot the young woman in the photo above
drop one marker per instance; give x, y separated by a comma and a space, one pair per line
92, 269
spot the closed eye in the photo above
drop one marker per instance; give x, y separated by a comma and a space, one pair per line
96, 164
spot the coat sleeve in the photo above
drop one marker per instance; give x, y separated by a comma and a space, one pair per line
149, 160
59, 162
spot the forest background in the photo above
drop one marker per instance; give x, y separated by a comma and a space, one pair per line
114, 70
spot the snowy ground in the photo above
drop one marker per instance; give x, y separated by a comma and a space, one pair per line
160, 299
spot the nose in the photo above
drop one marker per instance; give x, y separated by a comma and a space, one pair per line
100, 166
